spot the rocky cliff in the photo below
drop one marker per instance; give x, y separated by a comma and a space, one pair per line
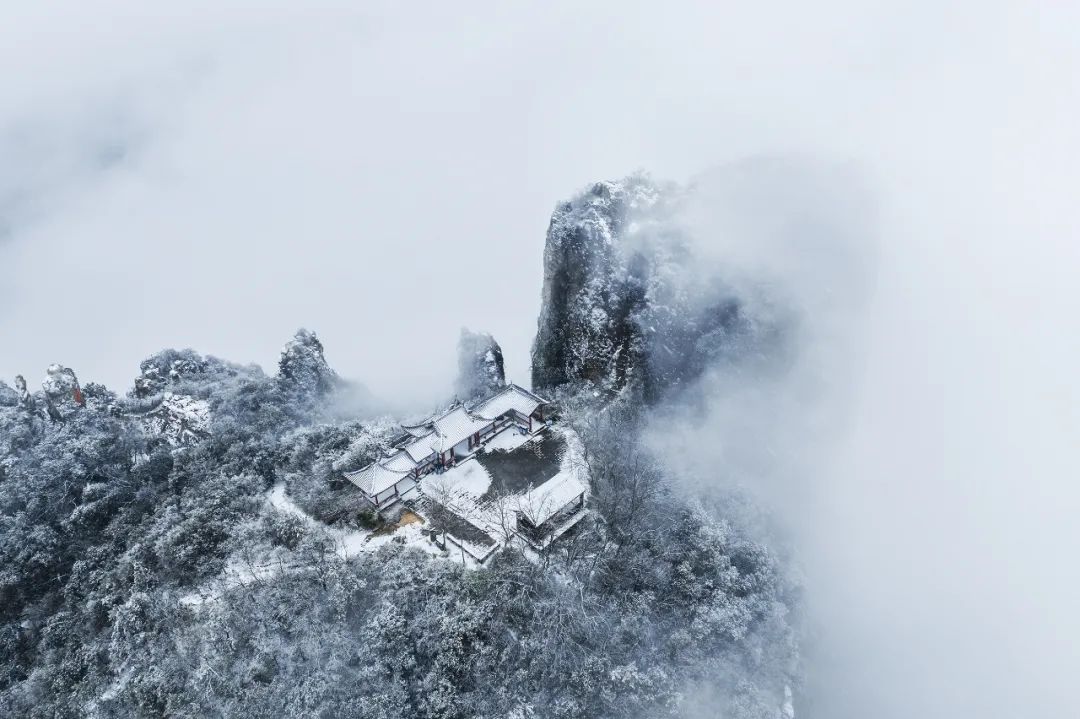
625, 305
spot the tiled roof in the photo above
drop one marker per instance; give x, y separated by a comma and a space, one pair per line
418, 430
422, 448
439, 434
511, 398
382, 475
542, 503
457, 425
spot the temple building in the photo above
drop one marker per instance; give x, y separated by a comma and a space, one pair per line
443, 440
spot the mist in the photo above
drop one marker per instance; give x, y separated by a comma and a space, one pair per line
914, 436
218, 175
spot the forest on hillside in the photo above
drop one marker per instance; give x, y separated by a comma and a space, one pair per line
115, 536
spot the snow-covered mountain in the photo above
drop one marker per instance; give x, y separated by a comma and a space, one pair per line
192, 546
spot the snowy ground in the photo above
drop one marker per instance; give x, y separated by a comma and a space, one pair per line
462, 489
508, 440
469, 477
180, 419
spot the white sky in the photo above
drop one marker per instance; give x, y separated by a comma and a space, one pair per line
216, 175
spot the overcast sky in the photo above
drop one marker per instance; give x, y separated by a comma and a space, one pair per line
215, 175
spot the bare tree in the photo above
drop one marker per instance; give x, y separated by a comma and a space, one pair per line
625, 479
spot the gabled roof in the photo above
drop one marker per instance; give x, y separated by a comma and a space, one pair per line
510, 398
544, 502
423, 447
383, 474
457, 425
418, 430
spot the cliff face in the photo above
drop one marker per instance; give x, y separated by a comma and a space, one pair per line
586, 329
625, 305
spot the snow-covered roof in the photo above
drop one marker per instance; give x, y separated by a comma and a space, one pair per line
457, 425
511, 398
382, 475
399, 462
422, 448
542, 503
418, 430
439, 434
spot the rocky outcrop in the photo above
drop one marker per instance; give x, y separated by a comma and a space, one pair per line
62, 392
585, 330
165, 402
480, 365
25, 399
178, 419
303, 367
625, 304
8, 396
166, 368
61, 384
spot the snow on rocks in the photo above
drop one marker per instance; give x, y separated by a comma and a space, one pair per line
181, 420
480, 365
303, 365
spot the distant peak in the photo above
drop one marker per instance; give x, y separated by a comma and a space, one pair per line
304, 365
480, 364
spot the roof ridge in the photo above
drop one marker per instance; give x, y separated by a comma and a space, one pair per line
397, 471
528, 392
381, 464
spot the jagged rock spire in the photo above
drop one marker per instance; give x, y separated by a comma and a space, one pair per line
303, 366
24, 393
626, 304
587, 329
480, 365
62, 392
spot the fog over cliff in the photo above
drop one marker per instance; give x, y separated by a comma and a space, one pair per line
898, 179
